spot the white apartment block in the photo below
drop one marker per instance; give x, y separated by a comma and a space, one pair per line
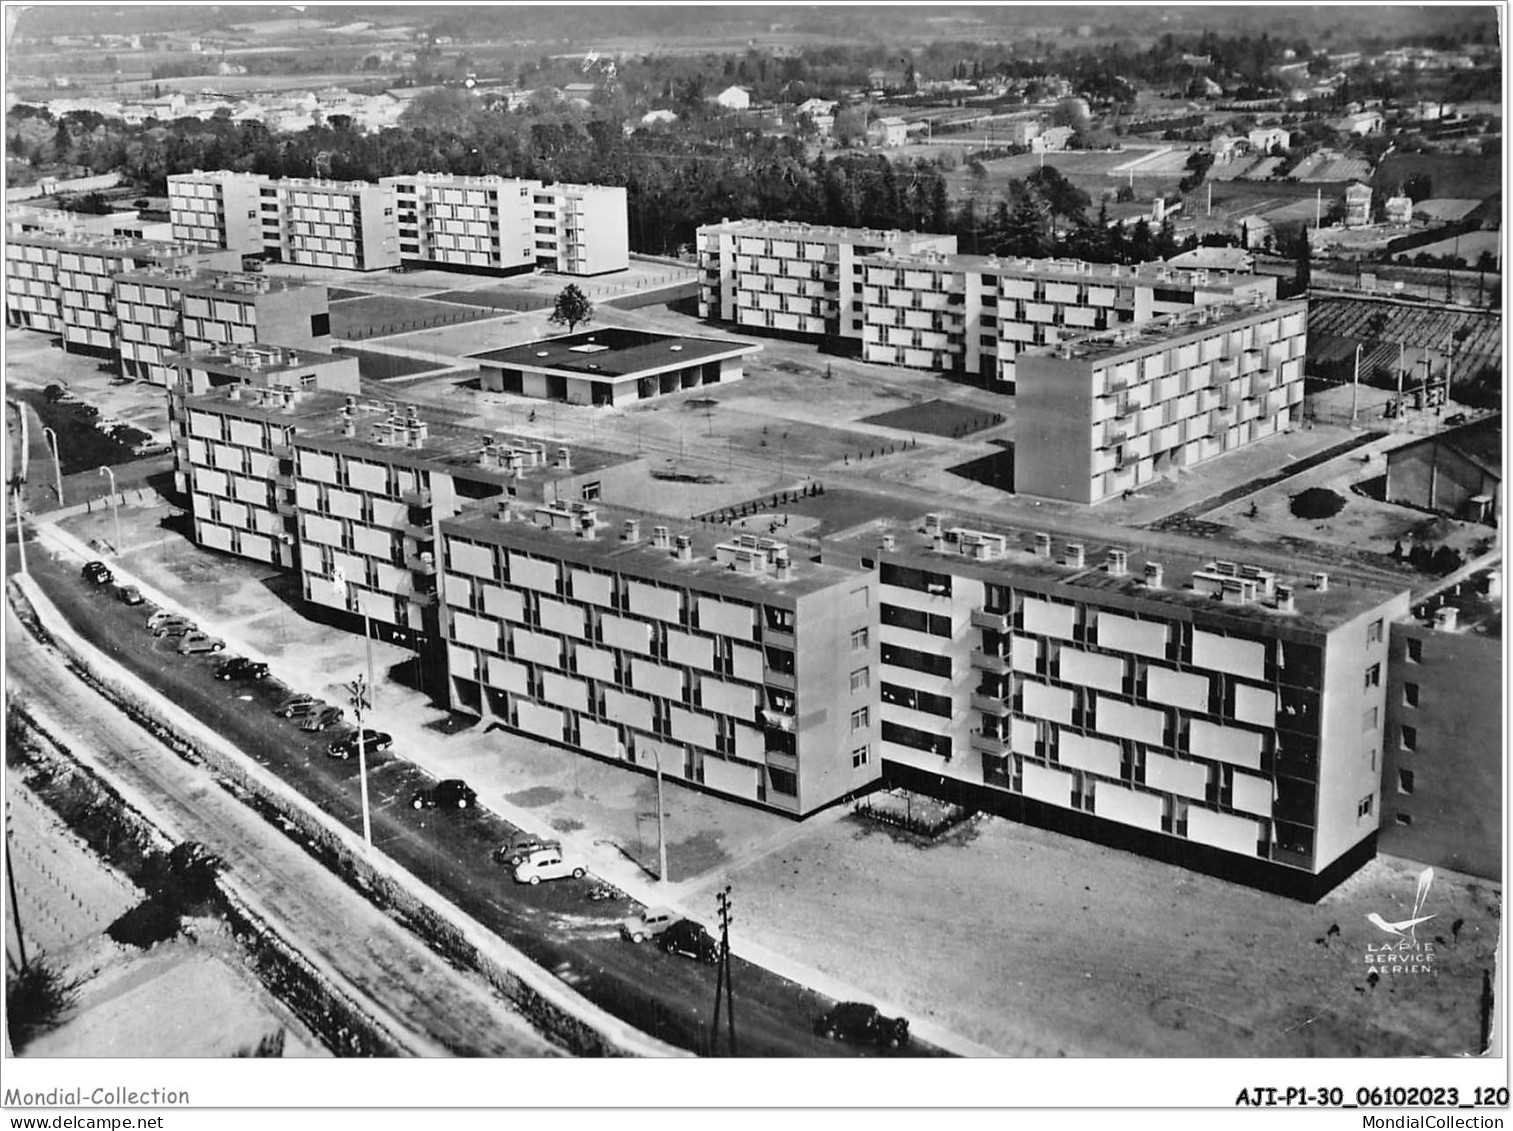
736, 667
1113, 411
31, 281
799, 278
483, 224
581, 229
975, 314
350, 225
218, 208
1223, 716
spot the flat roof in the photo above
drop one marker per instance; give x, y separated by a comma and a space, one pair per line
613, 352
1164, 331
643, 558
1169, 275
270, 359
1347, 596
824, 233
450, 444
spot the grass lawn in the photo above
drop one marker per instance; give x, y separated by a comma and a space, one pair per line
375, 316
937, 417
1451, 174
838, 510
377, 366
336, 294
495, 298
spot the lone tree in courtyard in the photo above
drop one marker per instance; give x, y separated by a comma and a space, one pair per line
572, 308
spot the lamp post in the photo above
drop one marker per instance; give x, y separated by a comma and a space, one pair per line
360, 699
661, 828
20, 540
52, 442
114, 511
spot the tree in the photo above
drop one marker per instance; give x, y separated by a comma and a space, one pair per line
1304, 273
572, 308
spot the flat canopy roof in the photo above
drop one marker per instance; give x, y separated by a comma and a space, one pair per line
613, 352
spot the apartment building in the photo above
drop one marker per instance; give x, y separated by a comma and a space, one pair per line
742, 668
480, 224
1443, 746
1112, 411
796, 278
164, 311
581, 229
233, 442
27, 217
77, 273
351, 225
219, 208
1224, 716
975, 314
612, 366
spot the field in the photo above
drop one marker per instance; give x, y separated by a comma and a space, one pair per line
939, 418
495, 298
1451, 174
1327, 166
375, 366
338, 294
1468, 246
380, 315
1335, 325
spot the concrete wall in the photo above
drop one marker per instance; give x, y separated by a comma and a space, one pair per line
1052, 452
826, 700
1434, 476
1455, 807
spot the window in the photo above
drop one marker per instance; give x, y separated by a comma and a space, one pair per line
783, 781
1408, 737
1373, 676
1364, 808
1415, 650
916, 700
916, 621
1374, 632
590, 492
931, 663
861, 679
939, 744
859, 639
1405, 781
1404, 819
1410, 695
860, 718
860, 756
922, 581
320, 325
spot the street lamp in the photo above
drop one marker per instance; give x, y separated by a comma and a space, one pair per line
114, 511
52, 442
360, 700
661, 829
20, 540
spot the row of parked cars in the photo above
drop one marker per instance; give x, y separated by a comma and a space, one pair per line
182, 632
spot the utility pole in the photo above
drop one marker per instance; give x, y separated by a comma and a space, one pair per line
10, 877
20, 540
722, 976
661, 827
114, 511
360, 701
1355, 387
52, 442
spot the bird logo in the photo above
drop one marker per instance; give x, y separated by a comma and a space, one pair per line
1408, 928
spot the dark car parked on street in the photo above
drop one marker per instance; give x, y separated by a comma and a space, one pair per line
98, 573
520, 846
453, 793
373, 741
129, 595
691, 941
857, 1021
239, 667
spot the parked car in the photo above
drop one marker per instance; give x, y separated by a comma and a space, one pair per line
98, 573
691, 940
453, 793
160, 615
520, 846
174, 626
327, 716
152, 448
373, 741
239, 667
1454, 419
129, 595
298, 706
649, 924
857, 1021
200, 642
547, 864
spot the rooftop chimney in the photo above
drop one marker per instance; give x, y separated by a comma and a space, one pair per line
504, 512
1042, 545
1286, 603
1321, 581
683, 550
932, 524
1445, 617
630, 530
564, 458
660, 537
1153, 575
1118, 563
1075, 555
889, 542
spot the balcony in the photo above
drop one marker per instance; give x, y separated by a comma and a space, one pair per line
419, 532
281, 451
997, 622
421, 564
989, 704
420, 498
989, 744
987, 662
780, 680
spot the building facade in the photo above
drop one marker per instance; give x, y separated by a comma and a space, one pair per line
1222, 716
483, 224
796, 278
1111, 412
352, 225
741, 670
218, 208
581, 229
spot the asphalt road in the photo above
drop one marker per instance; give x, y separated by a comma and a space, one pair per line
555, 924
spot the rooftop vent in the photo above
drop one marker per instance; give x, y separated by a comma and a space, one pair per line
1320, 581
932, 524
564, 458
1042, 545
683, 548
1154, 574
630, 530
1074, 555
1286, 601
889, 542
1118, 563
660, 537
1445, 618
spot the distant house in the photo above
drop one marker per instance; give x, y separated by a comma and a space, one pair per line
734, 98
658, 118
1357, 205
1222, 146
1254, 231
1052, 140
888, 132
821, 112
1364, 123
1265, 140
1458, 472
1399, 209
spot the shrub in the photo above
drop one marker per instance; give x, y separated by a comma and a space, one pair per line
38, 998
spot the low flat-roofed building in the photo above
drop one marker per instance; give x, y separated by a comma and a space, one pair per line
744, 666
1457, 472
1223, 715
1114, 411
612, 366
